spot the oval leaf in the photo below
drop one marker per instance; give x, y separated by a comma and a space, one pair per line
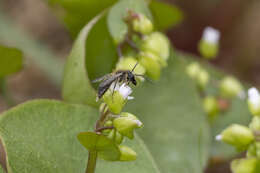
41, 136
76, 84
106, 148
93, 55
10, 60
117, 26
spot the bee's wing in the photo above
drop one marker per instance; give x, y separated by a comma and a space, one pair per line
100, 78
105, 84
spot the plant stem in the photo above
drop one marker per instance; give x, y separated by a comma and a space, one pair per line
92, 155
92, 160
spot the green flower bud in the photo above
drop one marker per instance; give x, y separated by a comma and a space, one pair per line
107, 124
230, 87
127, 154
208, 45
193, 70
208, 50
151, 64
203, 78
158, 44
128, 63
116, 101
254, 101
116, 136
142, 24
257, 144
211, 107
251, 151
126, 124
238, 136
255, 124
248, 165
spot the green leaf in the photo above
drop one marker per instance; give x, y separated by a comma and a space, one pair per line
106, 148
117, 26
10, 60
165, 15
175, 126
93, 55
41, 136
79, 12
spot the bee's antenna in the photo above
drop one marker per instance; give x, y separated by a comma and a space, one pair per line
134, 67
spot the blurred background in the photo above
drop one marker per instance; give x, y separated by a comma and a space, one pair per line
33, 26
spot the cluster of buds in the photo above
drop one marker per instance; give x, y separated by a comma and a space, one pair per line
246, 138
228, 87
153, 48
152, 54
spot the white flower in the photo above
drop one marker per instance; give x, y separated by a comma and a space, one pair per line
219, 137
254, 98
124, 90
139, 123
211, 35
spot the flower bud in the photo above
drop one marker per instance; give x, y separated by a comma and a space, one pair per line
202, 78
230, 87
116, 136
127, 154
158, 44
254, 150
254, 101
126, 124
209, 44
257, 144
255, 124
116, 101
251, 151
211, 107
248, 165
108, 123
151, 64
193, 70
142, 24
128, 63
238, 136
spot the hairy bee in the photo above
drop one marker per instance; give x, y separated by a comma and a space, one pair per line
126, 76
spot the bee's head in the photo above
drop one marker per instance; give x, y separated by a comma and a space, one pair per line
131, 77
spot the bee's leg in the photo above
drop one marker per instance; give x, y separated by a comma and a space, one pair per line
119, 50
114, 89
145, 77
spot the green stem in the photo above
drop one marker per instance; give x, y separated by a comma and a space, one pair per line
92, 160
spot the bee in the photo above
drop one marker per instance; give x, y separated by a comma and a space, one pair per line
125, 76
